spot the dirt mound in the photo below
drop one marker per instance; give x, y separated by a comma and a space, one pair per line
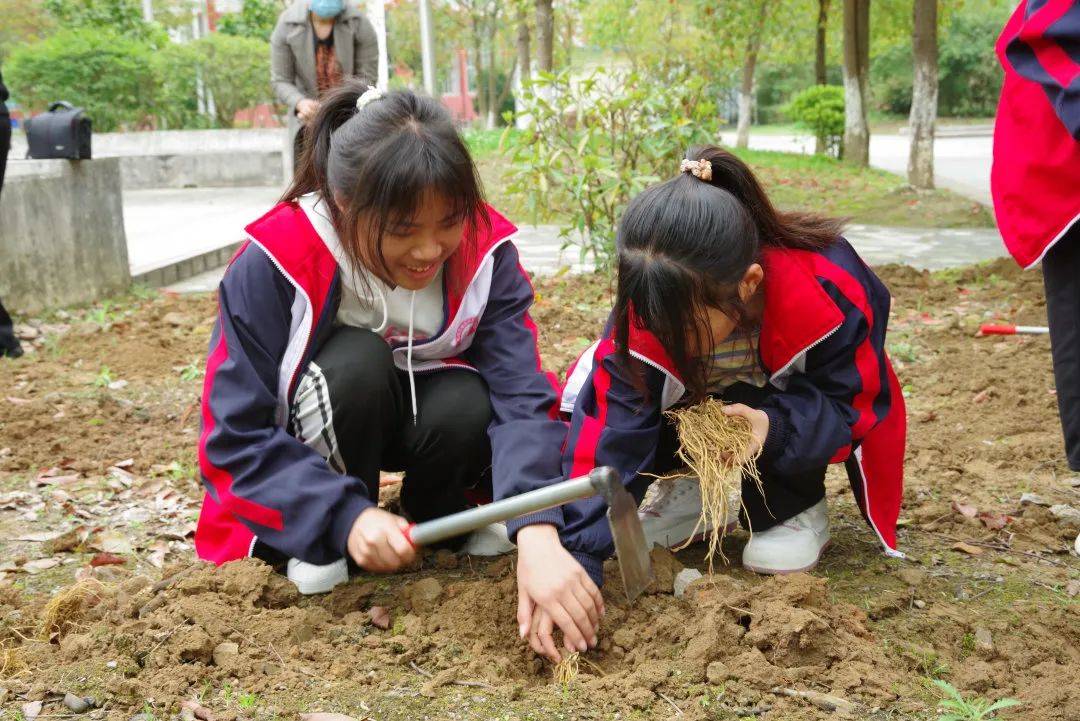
244, 621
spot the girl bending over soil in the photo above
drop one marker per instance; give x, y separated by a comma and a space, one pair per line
775, 314
377, 318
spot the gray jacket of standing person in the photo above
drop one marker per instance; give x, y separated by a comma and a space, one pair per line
292, 53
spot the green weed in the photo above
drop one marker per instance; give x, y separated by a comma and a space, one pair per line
952, 706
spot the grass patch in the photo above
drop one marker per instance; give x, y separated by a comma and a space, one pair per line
866, 195
793, 181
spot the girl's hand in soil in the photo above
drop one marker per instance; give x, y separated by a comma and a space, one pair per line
554, 590
377, 541
759, 423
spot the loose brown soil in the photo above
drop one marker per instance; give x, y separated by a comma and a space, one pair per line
995, 620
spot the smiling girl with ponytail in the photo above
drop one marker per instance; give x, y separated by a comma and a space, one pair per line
376, 319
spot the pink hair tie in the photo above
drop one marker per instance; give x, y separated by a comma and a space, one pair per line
700, 169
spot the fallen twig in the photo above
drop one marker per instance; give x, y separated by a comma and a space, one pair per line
455, 682
821, 700
678, 710
992, 546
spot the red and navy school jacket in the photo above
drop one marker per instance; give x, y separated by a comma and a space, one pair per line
277, 304
836, 397
1035, 178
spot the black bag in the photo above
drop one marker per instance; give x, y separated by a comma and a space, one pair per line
59, 133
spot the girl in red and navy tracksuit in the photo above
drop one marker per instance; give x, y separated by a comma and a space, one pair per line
1036, 177
719, 294
377, 318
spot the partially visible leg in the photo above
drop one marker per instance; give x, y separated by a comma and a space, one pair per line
9, 344
348, 404
447, 449
1061, 275
347, 407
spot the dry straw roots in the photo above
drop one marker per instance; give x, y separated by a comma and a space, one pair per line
567, 670
715, 447
66, 609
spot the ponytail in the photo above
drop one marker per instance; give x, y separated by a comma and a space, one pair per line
798, 230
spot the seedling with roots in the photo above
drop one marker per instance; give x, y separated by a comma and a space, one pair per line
954, 707
716, 448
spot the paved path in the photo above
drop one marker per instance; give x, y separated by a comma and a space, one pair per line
165, 226
921, 248
961, 164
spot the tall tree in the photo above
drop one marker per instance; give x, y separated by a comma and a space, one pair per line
820, 46
856, 76
820, 38
545, 35
924, 94
746, 88
524, 57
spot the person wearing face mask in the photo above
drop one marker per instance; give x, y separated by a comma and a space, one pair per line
316, 45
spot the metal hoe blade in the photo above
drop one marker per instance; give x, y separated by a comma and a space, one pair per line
634, 560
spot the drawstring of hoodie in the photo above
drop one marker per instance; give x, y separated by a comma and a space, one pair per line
385, 308
408, 357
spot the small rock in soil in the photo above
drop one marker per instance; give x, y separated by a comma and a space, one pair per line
32, 710
919, 603
1073, 588
665, 568
1066, 514
424, 594
225, 653
380, 617
76, 704
716, 673
911, 576
1034, 499
445, 559
683, 579
984, 643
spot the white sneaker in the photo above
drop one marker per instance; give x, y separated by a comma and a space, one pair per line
488, 541
311, 579
792, 546
671, 510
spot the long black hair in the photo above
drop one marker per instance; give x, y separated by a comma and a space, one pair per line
379, 162
685, 244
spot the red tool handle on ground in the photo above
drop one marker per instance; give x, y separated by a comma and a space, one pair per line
992, 329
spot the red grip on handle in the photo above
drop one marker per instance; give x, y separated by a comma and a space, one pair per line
408, 534
991, 329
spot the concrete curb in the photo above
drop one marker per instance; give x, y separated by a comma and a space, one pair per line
187, 268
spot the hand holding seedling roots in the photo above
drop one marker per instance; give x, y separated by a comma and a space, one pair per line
719, 449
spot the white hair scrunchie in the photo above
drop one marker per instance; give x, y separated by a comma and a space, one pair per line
369, 96
700, 169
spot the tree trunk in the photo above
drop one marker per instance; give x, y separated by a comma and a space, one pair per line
524, 61
924, 94
478, 64
856, 70
545, 35
820, 76
492, 99
746, 88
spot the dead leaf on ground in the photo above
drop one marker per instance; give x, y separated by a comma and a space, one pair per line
380, 617
32, 710
994, 521
41, 564
107, 559
111, 542
967, 548
964, 509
